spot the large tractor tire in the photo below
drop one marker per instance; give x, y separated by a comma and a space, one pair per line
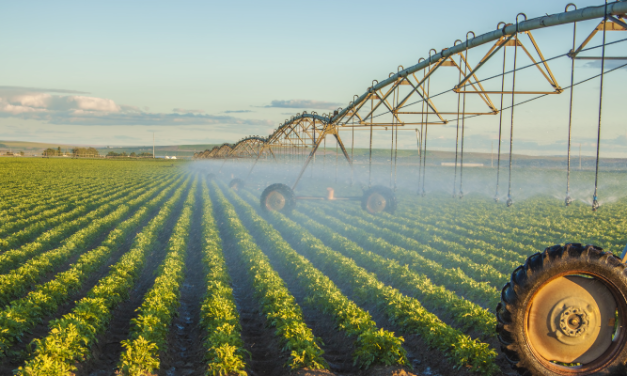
278, 197
236, 184
564, 313
378, 199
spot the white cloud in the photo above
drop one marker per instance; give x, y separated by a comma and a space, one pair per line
304, 104
183, 111
35, 104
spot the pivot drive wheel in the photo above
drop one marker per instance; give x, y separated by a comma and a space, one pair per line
278, 197
236, 184
378, 199
564, 313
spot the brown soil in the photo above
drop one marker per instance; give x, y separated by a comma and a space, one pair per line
309, 372
185, 352
107, 350
388, 371
259, 339
423, 360
338, 348
42, 329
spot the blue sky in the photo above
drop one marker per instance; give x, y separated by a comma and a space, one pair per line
208, 72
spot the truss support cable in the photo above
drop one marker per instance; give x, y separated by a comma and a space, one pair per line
568, 200
395, 99
324, 152
336, 155
424, 160
370, 152
392, 152
461, 166
595, 201
395, 157
352, 148
422, 117
352, 142
510, 202
457, 133
498, 158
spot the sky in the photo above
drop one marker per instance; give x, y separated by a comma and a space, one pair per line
198, 72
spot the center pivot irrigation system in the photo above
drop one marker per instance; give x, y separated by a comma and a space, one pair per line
562, 313
404, 101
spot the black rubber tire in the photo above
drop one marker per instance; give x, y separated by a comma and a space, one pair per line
287, 192
527, 279
387, 193
237, 184
211, 177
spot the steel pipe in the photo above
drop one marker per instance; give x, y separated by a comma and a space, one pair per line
584, 14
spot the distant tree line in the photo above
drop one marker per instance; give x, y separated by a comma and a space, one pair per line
76, 152
133, 154
85, 152
90, 152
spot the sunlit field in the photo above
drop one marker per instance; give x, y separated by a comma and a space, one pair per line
158, 267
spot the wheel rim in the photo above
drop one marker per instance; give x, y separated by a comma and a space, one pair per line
375, 203
275, 201
571, 326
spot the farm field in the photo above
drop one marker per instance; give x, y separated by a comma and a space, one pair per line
149, 267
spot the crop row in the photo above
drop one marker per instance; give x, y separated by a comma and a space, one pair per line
26, 193
465, 314
17, 281
33, 179
24, 212
74, 216
219, 317
372, 345
534, 222
410, 272
57, 228
60, 205
22, 314
502, 260
404, 311
451, 219
71, 336
50, 231
277, 304
471, 262
53, 181
150, 328
515, 252
439, 270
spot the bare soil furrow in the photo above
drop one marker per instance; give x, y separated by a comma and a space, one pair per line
185, 352
258, 336
106, 353
41, 330
422, 358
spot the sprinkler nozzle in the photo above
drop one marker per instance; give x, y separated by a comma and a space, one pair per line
510, 202
595, 203
568, 201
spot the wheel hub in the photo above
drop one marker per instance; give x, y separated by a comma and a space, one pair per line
275, 201
571, 319
376, 203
